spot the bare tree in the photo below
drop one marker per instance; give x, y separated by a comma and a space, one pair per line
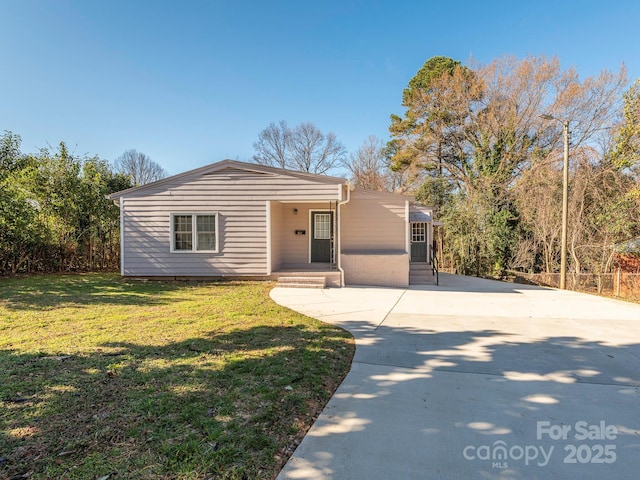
368, 166
304, 148
314, 152
273, 145
538, 194
604, 210
139, 167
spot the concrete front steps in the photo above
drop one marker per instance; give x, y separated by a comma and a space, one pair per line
421, 274
302, 282
307, 278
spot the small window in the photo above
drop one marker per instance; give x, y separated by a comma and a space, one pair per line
418, 233
194, 232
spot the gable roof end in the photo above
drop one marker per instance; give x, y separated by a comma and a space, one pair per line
225, 164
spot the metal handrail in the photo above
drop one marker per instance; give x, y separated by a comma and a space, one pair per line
434, 263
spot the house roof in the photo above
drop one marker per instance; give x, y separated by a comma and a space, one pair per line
420, 216
253, 167
225, 164
381, 194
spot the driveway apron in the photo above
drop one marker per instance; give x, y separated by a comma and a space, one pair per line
476, 379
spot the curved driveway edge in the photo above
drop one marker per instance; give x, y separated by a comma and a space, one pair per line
476, 379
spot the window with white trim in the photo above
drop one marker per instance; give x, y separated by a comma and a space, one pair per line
194, 232
418, 233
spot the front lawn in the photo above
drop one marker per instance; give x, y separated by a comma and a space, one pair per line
106, 378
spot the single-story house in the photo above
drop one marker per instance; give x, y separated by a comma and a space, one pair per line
237, 219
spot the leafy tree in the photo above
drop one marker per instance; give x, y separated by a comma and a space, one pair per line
426, 134
627, 147
435, 191
481, 129
54, 214
139, 167
21, 230
432, 69
10, 156
480, 234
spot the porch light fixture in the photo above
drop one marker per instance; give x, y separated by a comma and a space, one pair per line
565, 199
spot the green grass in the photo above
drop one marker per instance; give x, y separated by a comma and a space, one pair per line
102, 377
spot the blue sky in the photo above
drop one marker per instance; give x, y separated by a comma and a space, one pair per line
193, 82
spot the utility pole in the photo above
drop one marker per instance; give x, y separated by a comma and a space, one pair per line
565, 208
565, 200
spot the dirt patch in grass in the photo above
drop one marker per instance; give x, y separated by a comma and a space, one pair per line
102, 377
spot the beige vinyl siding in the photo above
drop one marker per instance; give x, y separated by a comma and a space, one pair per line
295, 248
287, 248
373, 222
238, 197
277, 211
373, 240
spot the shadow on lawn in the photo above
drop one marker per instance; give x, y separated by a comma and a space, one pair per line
85, 290
229, 406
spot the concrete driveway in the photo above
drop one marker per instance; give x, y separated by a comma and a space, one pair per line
476, 379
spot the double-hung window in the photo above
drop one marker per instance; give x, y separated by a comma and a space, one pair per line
194, 232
